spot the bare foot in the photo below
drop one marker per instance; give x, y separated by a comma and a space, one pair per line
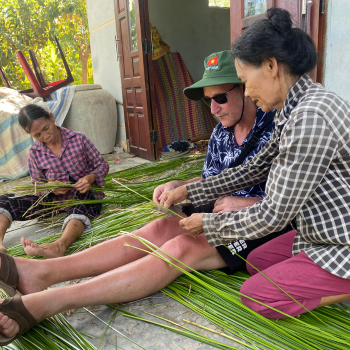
32, 275
47, 250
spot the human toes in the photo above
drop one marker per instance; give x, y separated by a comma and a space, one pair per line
5, 321
31, 248
28, 243
25, 241
47, 250
8, 326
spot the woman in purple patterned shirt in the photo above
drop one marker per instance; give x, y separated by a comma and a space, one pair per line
58, 154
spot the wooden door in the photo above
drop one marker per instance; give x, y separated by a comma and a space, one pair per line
134, 50
305, 13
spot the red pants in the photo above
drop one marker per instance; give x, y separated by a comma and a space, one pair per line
298, 275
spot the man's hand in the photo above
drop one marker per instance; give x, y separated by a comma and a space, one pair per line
84, 184
169, 198
165, 188
232, 203
59, 191
193, 224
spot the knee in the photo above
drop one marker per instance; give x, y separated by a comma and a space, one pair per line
78, 225
247, 294
178, 247
256, 297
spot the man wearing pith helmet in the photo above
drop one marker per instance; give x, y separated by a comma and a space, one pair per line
242, 132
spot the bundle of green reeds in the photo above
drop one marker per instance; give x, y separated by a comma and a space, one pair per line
54, 333
108, 226
159, 169
114, 218
50, 334
57, 334
325, 328
215, 296
186, 167
142, 179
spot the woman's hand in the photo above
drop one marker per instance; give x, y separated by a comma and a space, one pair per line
232, 203
193, 224
84, 184
169, 198
165, 188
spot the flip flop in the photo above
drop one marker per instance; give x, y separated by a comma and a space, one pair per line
8, 275
14, 308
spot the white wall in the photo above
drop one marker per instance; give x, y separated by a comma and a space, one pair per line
191, 28
337, 60
103, 52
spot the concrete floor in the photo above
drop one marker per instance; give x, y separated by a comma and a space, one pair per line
151, 337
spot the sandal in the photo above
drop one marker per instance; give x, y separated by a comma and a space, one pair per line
14, 308
8, 275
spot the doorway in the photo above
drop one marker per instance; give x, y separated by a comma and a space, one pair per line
194, 30
190, 27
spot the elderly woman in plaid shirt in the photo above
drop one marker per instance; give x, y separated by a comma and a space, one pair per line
308, 169
58, 154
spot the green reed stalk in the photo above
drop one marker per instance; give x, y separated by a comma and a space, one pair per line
307, 336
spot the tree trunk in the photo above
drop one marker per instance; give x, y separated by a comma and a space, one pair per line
84, 71
84, 57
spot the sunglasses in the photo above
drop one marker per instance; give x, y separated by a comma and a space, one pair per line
219, 98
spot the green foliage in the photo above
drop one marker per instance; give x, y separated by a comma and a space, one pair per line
133, 32
219, 3
32, 24
54, 333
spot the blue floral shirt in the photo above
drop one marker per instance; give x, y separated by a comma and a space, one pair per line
223, 150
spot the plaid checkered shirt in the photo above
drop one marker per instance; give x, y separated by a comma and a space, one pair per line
79, 157
307, 162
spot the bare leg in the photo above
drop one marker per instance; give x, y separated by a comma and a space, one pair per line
4, 224
36, 275
333, 299
72, 231
129, 282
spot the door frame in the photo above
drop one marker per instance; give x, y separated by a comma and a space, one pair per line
121, 10
150, 87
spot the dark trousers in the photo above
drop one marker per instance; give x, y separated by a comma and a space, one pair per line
18, 206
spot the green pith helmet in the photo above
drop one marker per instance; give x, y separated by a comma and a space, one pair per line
218, 69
